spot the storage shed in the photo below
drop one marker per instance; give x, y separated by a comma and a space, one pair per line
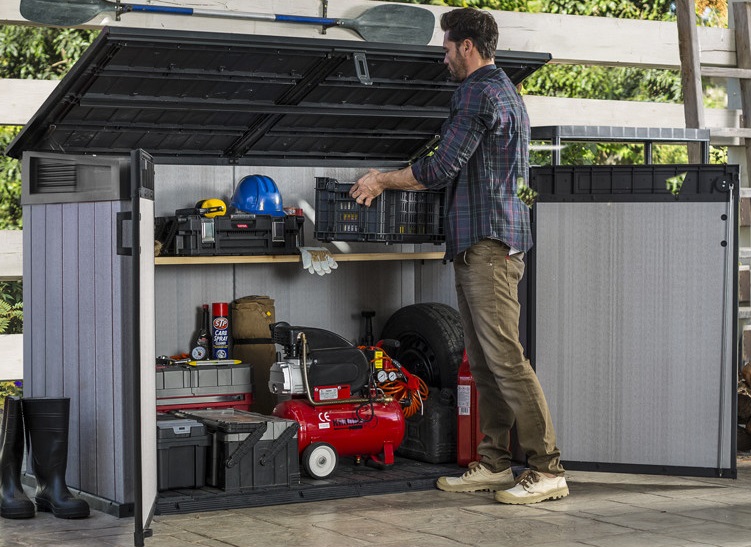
149, 122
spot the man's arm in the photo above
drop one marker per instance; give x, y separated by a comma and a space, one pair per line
374, 182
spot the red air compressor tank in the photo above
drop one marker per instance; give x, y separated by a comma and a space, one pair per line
353, 429
468, 434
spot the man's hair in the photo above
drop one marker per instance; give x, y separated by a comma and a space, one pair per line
475, 24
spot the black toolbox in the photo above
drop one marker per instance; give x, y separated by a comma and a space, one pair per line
249, 450
233, 234
182, 449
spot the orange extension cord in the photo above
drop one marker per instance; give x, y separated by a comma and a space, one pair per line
409, 394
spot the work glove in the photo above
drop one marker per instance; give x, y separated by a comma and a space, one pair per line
317, 260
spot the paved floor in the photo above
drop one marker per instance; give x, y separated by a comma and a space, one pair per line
604, 509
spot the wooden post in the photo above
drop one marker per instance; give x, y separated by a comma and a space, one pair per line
693, 97
742, 20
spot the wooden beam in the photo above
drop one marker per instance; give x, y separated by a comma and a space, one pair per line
11, 255
11, 365
693, 96
22, 98
742, 20
725, 72
570, 39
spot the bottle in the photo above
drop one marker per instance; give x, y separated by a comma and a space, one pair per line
200, 346
468, 434
220, 332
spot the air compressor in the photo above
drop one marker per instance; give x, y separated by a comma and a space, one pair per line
350, 401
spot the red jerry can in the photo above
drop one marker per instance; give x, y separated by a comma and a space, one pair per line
468, 434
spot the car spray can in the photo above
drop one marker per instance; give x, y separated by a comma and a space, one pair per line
220, 330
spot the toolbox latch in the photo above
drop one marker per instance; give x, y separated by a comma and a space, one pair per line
207, 230
361, 68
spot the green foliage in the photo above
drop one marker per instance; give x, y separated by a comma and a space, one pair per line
629, 9
40, 52
10, 183
597, 82
10, 388
11, 307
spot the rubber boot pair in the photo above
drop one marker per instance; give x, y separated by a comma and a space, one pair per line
46, 421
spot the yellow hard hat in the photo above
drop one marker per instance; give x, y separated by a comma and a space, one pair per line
214, 207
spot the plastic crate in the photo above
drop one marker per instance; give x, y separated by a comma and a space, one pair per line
396, 216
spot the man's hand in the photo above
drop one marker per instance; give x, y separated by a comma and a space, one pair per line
367, 188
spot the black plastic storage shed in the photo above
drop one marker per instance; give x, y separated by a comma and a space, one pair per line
632, 290
143, 97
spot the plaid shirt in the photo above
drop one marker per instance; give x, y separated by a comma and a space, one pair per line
484, 148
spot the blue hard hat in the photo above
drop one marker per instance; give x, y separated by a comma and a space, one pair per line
258, 194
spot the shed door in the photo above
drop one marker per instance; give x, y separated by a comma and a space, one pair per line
142, 183
634, 315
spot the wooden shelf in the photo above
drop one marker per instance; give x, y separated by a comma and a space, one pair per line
266, 259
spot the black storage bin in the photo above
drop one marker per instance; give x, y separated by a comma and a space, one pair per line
250, 450
431, 436
235, 234
182, 447
396, 216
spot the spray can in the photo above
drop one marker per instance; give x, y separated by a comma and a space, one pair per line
220, 330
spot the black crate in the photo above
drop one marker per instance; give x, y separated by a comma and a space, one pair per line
182, 448
396, 216
431, 436
235, 234
250, 450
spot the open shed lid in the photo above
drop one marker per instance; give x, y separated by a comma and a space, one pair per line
211, 98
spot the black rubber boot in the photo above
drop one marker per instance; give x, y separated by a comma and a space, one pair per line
14, 503
47, 430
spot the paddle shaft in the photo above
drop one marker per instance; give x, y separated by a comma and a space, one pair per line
322, 21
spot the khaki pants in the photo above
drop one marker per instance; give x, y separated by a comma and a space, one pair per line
507, 387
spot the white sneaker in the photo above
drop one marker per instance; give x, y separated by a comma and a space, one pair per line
477, 477
533, 487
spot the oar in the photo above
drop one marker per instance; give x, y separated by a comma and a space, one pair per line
394, 23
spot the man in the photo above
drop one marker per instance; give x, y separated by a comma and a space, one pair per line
484, 150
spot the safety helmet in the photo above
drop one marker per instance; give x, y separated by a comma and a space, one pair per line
257, 194
214, 207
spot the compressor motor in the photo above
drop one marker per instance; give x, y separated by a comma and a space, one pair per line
349, 401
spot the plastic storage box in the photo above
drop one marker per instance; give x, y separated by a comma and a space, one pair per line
396, 216
431, 436
182, 449
250, 450
236, 234
204, 386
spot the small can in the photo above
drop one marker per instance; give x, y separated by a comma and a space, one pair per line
220, 330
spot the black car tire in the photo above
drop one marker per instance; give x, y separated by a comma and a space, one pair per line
431, 342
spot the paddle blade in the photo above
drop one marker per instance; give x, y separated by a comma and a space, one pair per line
63, 13
394, 23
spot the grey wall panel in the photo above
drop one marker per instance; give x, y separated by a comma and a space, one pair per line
72, 329
629, 318
180, 292
87, 314
53, 374
106, 360
76, 319
435, 281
